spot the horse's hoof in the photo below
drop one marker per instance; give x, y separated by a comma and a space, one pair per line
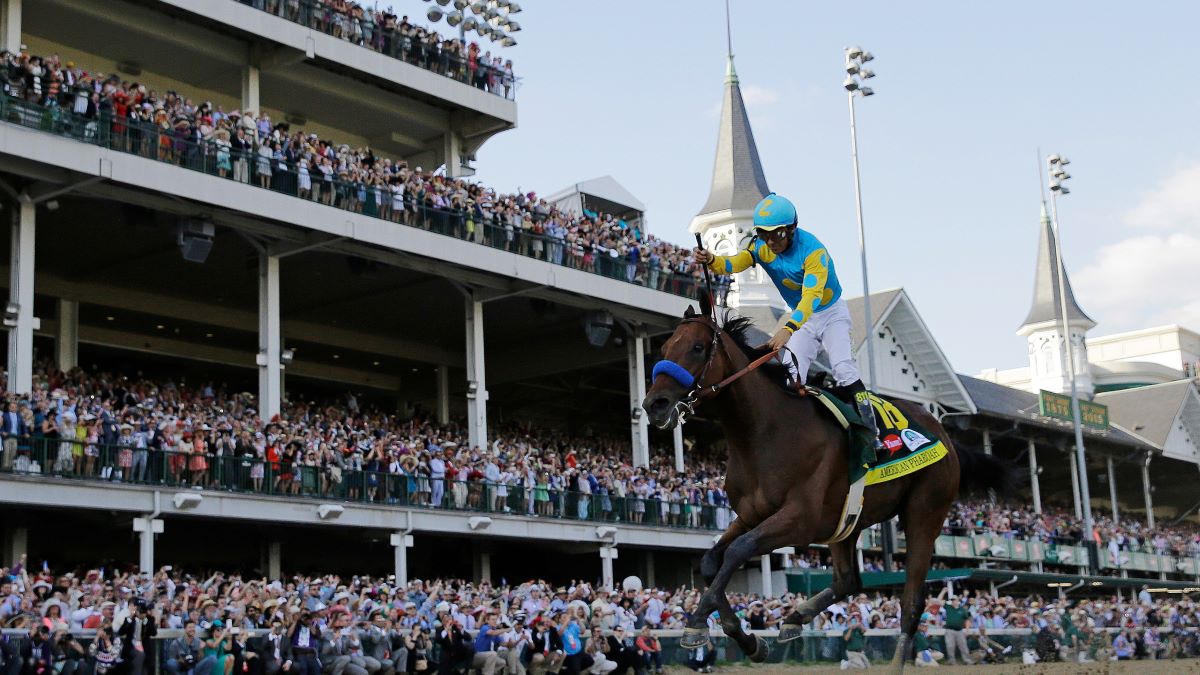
761, 650
789, 632
693, 638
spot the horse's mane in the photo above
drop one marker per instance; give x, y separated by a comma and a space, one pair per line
736, 328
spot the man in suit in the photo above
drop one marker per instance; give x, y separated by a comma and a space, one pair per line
12, 427
273, 650
377, 641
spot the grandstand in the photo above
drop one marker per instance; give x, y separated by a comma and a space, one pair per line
244, 221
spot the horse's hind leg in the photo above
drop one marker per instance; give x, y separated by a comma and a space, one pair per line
923, 517
846, 581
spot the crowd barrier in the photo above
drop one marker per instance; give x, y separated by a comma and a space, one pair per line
245, 474
816, 646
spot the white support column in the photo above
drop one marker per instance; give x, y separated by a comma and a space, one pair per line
608, 553
10, 26
987, 442
1112, 488
66, 343
451, 149
146, 527
443, 395
477, 394
485, 565
1075, 483
16, 544
270, 338
677, 435
639, 423
274, 559
250, 88
1034, 485
20, 295
401, 543
1146, 491
765, 566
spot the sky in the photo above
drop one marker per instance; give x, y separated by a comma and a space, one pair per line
966, 95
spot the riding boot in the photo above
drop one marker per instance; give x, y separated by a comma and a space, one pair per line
866, 411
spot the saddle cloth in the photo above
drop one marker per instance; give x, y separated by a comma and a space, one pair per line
907, 445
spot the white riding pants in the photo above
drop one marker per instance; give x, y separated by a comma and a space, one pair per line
828, 329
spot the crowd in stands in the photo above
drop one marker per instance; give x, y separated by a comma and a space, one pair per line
249, 147
111, 427
114, 428
376, 625
1056, 524
387, 33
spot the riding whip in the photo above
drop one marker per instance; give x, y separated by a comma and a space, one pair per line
712, 301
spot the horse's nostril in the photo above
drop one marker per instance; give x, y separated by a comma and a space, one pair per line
657, 404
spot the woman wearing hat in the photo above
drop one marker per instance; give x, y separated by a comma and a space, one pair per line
224, 165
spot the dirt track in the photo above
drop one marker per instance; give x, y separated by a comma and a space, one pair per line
1107, 668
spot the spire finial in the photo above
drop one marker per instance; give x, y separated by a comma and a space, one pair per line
730, 73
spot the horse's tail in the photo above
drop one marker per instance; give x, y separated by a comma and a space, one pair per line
980, 472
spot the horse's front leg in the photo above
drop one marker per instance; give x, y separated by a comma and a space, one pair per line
710, 564
778, 530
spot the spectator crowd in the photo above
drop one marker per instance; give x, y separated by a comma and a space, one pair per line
109, 427
382, 30
249, 147
1057, 525
228, 622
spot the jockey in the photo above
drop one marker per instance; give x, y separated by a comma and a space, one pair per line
804, 273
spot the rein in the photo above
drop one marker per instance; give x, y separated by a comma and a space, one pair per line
697, 391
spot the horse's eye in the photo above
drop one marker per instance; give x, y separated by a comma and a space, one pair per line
698, 347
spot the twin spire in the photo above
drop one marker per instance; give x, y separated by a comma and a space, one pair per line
1046, 306
738, 181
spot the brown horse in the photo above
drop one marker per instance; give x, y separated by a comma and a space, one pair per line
787, 478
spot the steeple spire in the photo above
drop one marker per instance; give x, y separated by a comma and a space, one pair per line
738, 182
1045, 286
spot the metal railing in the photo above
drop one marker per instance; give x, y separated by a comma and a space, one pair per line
364, 31
299, 180
815, 646
354, 482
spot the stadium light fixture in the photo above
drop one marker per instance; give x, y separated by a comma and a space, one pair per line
491, 19
855, 58
1058, 176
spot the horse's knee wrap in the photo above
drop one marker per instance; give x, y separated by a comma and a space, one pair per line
789, 632
693, 637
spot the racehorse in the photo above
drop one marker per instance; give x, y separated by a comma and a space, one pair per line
787, 477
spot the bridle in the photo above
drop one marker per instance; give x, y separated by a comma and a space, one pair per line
697, 391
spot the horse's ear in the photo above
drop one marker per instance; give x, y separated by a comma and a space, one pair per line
689, 312
705, 304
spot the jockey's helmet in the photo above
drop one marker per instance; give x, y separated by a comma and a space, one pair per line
774, 212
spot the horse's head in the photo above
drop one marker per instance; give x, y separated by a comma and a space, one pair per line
692, 359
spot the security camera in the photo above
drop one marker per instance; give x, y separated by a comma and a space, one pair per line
1054, 159
606, 532
850, 84
866, 73
852, 67
867, 91
867, 56
853, 52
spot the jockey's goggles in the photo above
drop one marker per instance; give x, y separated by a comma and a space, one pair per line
774, 234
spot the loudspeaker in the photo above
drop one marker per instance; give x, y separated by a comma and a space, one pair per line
196, 239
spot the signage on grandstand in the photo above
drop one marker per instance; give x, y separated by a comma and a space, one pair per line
1058, 407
